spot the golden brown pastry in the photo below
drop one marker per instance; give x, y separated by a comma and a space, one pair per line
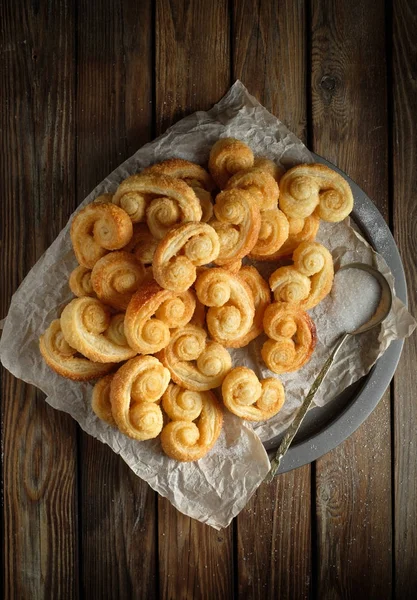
296, 226
231, 312
98, 228
199, 316
206, 202
64, 359
161, 200
80, 282
134, 392
89, 327
300, 230
289, 285
193, 175
143, 244
100, 399
292, 336
308, 280
195, 363
196, 422
315, 261
261, 297
260, 184
177, 311
227, 157
183, 249
314, 187
146, 332
237, 224
251, 399
273, 234
116, 277
233, 267
265, 164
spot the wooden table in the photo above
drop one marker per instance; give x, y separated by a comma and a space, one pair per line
83, 85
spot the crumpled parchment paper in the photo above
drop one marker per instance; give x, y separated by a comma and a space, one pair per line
214, 489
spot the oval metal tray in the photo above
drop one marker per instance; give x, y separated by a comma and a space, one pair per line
325, 428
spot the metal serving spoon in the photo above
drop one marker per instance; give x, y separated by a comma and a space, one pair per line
378, 317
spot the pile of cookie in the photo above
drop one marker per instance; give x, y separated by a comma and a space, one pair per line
162, 293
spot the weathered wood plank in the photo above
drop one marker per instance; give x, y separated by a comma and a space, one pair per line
349, 110
37, 192
274, 545
195, 560
114, 118
192, 72
273, 531
404, 155
273, 69
192, 57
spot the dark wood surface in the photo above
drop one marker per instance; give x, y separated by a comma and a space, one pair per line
349, 114
83, 84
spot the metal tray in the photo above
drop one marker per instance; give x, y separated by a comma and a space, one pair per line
325, 428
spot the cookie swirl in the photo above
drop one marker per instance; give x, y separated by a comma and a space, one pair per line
292, 336
134, 392
193, 175
289, 285
227, 157
161, 200
181, 251
64, 359
177, 311
196, 423
251, 399
98, 228
231, 307
89, 327
300, 230
80, 282
314, 187
194, 362
116, 277
260, 184
273, 234
152, 312
308, 280
143, 244
237, 224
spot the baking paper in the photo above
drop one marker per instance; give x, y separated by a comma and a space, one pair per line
214, 489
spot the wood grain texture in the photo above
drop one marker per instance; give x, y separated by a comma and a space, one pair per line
37, 191
114, 117
192, 57
353, 483
270, 562
273, 539
195, 560
269, 56
192, 73
404, 156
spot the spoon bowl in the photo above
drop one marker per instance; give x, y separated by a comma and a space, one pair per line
385, 301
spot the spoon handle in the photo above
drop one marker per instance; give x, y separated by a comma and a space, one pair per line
295, 425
